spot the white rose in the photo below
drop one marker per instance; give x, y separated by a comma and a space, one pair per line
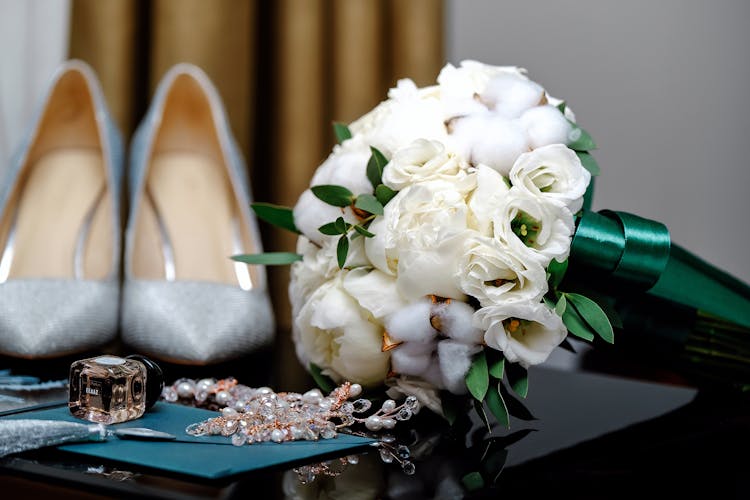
492, 273
425, 226
526, 332
489, 139
545, 125
334, 332
422, 160
310, 213
554, 173
534, 227
409, 115
488, 196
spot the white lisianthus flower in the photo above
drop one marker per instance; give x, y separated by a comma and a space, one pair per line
525, 332
310, 213
410, 113
425, 227
489, 139
534, 227
544, 125
492, 273
554, 173
422, 160
335, 333
492, 188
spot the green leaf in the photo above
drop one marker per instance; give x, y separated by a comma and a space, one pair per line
515, 406
589, 163
338, 196
562, 107
497, 406
556, 272
581, 140
330, 229
384, 194
497, 368
450, 406
594, 316
478, 378
268, 259
325, 383
473, 481
341, 226
369, 203
277, 215
518, 378
479, 408
342, 249
375, 167
576, 325
364, 232
561, 306
341, 131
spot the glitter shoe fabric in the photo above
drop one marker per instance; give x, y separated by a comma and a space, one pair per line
164, 313
43, 316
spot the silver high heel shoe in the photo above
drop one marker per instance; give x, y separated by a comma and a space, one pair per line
183, 299
60, 225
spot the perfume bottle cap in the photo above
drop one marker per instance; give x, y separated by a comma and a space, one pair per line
154, 379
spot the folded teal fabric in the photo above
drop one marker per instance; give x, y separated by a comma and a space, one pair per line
210, 457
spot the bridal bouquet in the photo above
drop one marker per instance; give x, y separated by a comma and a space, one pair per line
434, 242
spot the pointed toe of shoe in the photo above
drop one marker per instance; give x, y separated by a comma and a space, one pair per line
193, 322
45, 317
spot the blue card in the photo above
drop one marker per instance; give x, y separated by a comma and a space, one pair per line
210, 457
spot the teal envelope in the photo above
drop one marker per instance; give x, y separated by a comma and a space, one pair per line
210, 457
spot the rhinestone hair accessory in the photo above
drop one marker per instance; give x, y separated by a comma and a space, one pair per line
255, 415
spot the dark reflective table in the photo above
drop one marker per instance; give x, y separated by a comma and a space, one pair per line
595, 436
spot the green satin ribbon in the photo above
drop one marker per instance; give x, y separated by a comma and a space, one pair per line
628, 250
633, 250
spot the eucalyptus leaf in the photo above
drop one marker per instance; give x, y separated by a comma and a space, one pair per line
497, 368
338, 196
364, 232
576, 325
479, 408
268, 258
341, 131
556, 272
478, 378
496, 404
450, 407
518, 378
561, 306
375, 166
562, 106
277, 215
325, 383
330, 229
473, 481
580, 139
594, 316
515, 406
341, 226
384, 194
342, 249
565, 344
369, 203
588, 162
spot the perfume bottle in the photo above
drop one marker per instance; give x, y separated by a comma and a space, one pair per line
110, 389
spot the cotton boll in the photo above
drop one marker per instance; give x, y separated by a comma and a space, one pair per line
411, 323
412, 358
511, 94
310, 213
454, 320
545, 125
490, 140
455, 359
433, 375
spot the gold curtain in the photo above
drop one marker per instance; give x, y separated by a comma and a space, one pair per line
286, 70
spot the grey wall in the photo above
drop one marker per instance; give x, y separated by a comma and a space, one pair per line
662, 87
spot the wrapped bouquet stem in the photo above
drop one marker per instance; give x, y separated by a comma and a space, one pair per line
446, 245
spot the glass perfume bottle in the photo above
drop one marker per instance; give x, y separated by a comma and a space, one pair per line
110, 389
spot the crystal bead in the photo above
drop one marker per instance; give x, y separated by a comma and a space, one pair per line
239, 438
403, 414
403, 452
325, 404
306, 475
386, 456
388, 438
328, 432
412, 403
362, 405
352, 459
229, 427
408, 468
347, 408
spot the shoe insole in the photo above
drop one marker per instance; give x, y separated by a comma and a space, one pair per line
59, 193
194, 208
